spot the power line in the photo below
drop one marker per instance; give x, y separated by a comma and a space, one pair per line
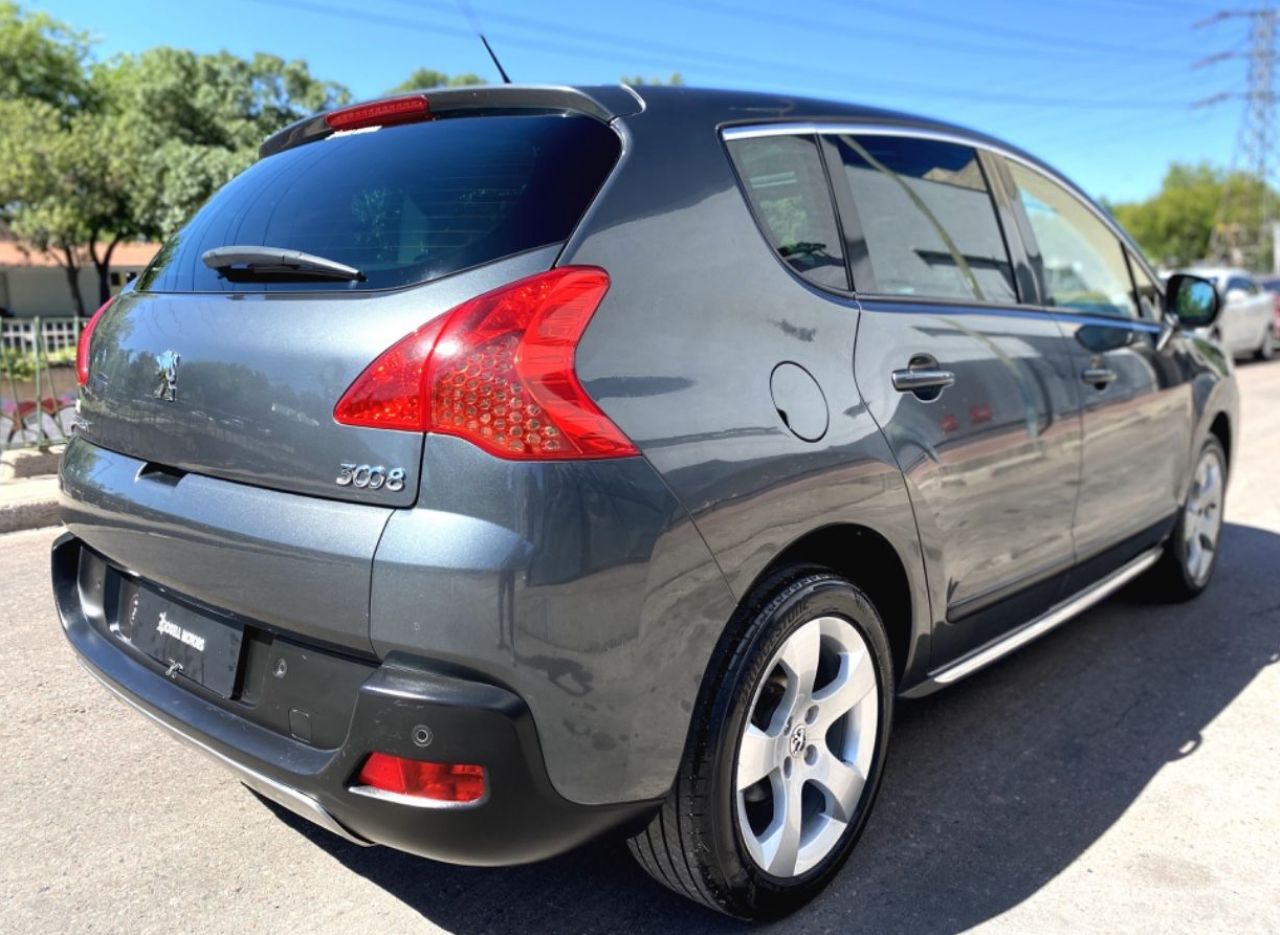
594, 42
861, 33
1235, 239
988, 29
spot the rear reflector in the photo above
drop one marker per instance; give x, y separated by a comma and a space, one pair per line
380, 113
440, 782
86, 337
498, 371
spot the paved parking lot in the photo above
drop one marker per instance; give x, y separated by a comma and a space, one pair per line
1123, 774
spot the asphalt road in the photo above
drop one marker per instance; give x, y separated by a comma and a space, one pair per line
1122, 774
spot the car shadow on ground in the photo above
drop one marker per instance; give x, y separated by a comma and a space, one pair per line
992, 787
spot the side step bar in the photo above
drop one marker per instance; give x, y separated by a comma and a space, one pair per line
1015, 639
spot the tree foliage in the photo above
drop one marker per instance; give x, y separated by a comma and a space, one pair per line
42, 58
65, 180
128, 148
424, 78
1175, 226
675, 79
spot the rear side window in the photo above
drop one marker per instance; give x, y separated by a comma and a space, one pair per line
927, 219
784, 180
1084, 263
401, 204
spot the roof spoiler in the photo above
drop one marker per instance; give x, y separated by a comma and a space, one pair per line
603, 103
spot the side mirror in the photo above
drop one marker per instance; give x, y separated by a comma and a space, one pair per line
1193, 300
1235, 296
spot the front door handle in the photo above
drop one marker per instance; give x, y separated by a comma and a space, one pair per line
922, 380
1099, 377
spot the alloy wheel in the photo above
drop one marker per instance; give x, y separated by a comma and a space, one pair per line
1202, 522
806, 749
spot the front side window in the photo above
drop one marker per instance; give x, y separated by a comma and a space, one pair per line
927, 219
783, 179
1084, 262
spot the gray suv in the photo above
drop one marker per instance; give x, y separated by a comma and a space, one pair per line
487, 470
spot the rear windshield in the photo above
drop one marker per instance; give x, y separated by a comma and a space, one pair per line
403, 205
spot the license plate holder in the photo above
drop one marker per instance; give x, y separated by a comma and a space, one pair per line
190, 645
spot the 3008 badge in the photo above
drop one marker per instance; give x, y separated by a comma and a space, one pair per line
371, 477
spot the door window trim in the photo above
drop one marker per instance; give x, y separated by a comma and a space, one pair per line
1134, 264
856, 127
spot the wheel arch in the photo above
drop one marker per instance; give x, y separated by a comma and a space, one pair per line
866, 558
1220, 428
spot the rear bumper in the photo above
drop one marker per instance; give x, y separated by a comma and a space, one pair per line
522, 818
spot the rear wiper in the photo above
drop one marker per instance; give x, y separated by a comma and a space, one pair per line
276, 263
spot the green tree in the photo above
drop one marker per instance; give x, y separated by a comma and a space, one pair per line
218, 100
42, 58
92, 155
196, 121
674, 80
64, 182
424, 78
1176, 225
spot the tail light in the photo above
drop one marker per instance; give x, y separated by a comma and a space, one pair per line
497, 371
86, 338
457, 783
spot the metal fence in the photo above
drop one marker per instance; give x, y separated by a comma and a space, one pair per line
37, 380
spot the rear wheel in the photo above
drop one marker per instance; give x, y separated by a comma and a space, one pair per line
785, 753
1192, 551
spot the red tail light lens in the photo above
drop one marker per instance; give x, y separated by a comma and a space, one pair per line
386, 113
86, 337
391, 393
498, 372
442, 782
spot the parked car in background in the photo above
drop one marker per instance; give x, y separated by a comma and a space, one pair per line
472, 477
1272, 285
1246, 326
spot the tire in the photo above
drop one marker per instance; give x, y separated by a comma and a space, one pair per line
712, 843
1183, 571
1267, 349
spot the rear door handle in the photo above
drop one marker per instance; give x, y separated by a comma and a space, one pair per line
1100, 377
914, 381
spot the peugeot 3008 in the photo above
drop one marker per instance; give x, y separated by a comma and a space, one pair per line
486, 470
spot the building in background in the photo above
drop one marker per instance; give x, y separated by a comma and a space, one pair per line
33, 283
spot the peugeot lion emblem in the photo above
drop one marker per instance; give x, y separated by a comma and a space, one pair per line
167, 371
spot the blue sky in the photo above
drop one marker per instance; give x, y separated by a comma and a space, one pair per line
1100, 88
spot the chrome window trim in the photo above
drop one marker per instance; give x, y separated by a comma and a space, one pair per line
836, 127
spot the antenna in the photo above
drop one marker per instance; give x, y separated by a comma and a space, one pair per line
465, 7
497, 64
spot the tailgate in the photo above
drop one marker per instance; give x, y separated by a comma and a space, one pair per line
252, 381
291, 563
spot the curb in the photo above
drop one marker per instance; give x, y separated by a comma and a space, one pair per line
29, 504
22, 463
